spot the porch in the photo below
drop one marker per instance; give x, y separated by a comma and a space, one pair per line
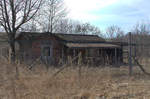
94, 54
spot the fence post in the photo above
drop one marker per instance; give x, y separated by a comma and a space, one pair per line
130, 55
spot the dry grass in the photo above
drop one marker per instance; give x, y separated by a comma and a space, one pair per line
94, 83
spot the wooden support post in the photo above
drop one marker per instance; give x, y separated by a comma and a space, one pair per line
68, 55
130, 55
121, 54
103, 56
134, 54
74, 52
115, 56
134, 51
62, 52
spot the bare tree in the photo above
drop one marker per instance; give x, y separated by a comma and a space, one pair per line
114, 32
141, 37
31, 26
64, 26
15, 13
51, 13
87, 28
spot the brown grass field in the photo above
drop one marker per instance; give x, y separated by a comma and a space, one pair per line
93, 83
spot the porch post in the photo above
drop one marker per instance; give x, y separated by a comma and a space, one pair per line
62, 52
67, 55
74, 52
115, 56
121, 54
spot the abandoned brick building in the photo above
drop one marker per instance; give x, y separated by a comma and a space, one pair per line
53, 47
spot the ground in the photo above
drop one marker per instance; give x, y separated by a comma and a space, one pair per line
92, 83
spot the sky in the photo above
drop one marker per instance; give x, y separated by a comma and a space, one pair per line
104, 13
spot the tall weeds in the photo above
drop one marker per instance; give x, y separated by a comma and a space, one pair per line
93, 83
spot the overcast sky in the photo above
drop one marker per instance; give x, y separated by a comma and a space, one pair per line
103, 13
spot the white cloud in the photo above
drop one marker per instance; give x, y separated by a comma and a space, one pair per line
123, 12
80, 9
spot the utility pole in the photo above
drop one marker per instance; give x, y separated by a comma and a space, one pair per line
130, 54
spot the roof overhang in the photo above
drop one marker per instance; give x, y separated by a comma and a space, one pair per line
91, 45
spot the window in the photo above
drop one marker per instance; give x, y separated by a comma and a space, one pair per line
46, 51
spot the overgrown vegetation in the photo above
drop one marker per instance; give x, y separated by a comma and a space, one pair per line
93, 83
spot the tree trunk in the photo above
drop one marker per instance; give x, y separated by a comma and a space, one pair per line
12, 46
13, 53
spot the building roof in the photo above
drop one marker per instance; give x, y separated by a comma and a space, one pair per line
74, 40
65, 37
80, 38
31, 35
